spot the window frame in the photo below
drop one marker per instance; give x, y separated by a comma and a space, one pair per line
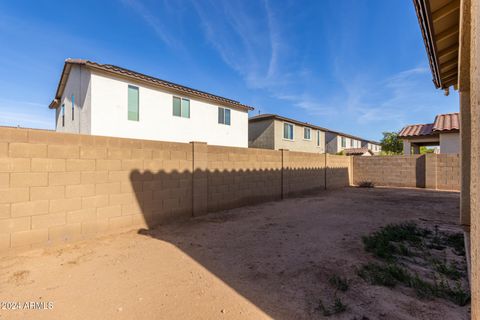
138, 103
343, 142
182, 99
225, 116
309, 130
62, 111
73, 107
293, 131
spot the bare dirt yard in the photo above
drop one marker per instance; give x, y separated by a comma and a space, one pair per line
300, 258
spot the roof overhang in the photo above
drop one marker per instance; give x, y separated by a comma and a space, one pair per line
440, 24
140, 78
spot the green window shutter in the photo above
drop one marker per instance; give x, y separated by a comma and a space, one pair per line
133, 103
176, 107
221, 115
185, 108
227, 116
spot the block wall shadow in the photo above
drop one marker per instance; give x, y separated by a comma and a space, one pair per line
166, 197
420, 177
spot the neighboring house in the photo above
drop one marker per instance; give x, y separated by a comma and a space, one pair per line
374, 146
270, 131
107, 100
444, 132
358, 152
338, 142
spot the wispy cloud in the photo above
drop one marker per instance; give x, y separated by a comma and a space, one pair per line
249, 45
146, 14
25, 114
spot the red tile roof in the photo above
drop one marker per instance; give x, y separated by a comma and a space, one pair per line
443, 123
446, 122
356, 151
417, 130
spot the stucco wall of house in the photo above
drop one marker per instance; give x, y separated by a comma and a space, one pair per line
298, 143
332, 144
349, 143
78, 86
156, 120
374, 147
449, 143
261, 134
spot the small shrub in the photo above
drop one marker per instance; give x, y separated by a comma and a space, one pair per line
422, 288
457, 242
450, 270
383, 275
389, 275
324, 310
339, 306
381, 243
366, 184
339, 282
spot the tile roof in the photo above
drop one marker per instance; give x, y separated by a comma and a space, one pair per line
417, 130
356, 151
443, 123
447, 122
140, 77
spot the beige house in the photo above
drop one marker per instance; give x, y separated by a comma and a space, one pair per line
270, 131
443, 132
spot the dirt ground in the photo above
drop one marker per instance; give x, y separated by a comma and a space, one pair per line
267, 261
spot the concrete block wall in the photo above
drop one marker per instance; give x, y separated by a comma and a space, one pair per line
305, 172
433, 171
241, 176
58, 187
339, 171
448, 171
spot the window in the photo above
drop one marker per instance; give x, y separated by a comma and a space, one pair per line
181, 107
318, 138
306, 133
288, 131
133, 103
224, 116
352, 143
344, 142
63, 115
73, 107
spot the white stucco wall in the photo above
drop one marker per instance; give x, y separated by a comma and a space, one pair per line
374, 147
109, 97
449, 143
350, 143
78, 85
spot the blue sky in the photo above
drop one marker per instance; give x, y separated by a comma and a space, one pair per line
357, 66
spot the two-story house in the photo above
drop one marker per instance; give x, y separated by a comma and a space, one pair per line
271, 131
338, 142
107, 100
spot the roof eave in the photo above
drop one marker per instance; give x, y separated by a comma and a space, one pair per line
422, 11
